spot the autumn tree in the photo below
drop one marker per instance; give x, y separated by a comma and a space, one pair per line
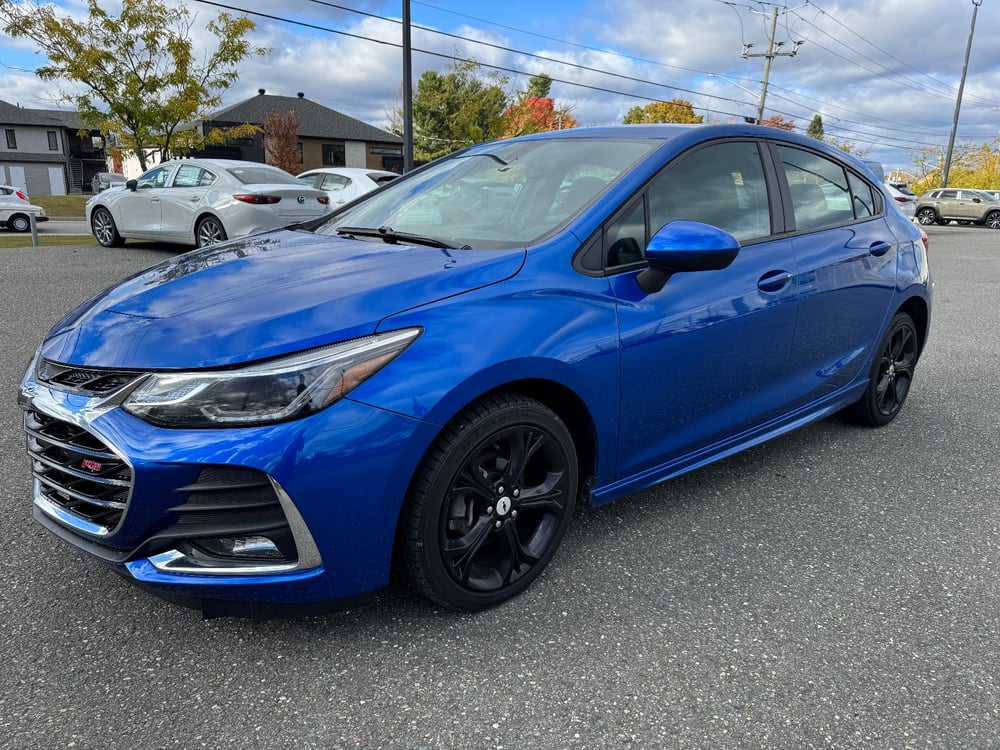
136, 76
456, 109
535, 112
779, 122
676, 110
281, 140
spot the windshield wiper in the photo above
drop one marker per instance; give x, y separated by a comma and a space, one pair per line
389, 235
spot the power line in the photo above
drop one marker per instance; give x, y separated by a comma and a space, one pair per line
506, 69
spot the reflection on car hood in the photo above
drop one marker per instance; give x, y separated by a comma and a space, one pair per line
261, 297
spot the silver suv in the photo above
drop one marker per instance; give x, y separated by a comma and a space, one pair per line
962, 205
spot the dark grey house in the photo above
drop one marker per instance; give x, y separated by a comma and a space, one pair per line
42, 153
327, 138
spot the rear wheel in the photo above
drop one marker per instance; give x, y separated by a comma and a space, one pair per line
19, 223
102, 224
891, 374
490, 504
209, 231
926, 216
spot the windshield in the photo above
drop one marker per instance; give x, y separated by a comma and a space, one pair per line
505, 194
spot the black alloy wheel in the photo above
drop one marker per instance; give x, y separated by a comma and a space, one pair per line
891, 374
209, 231
490, 504
102, 224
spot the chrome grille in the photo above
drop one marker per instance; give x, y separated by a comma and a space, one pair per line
76, 471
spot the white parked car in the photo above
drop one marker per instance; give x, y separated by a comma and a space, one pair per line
16, 209
202, 201
905, 200
344, 184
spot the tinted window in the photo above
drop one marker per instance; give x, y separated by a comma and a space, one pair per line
722, 185
821, 195
262, 174
625, 238
863, 197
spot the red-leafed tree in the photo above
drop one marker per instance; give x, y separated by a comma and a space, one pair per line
777, 121
535, 111
281, 140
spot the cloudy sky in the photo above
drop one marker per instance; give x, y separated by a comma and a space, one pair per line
883, 75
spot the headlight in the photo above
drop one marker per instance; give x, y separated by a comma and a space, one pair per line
266, 393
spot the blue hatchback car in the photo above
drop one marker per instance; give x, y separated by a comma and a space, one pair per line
440, 371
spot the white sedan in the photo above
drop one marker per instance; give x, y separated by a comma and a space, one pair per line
201, 202
16, 209
344, 184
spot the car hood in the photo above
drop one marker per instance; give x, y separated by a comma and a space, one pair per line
264, 296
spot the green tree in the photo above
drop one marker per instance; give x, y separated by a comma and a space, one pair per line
538, 86
676, 110
456, 109
815, 129
138, 77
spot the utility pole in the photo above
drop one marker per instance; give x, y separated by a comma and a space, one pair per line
773, 51
958, 101
407, 91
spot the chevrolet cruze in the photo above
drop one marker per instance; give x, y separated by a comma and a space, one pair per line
440, 372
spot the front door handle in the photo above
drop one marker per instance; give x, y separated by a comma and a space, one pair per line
773, 281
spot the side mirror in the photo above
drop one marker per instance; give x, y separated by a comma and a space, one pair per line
131, 185
684, 247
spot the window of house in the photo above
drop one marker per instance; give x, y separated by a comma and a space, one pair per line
11, 138
334, 155
53, 141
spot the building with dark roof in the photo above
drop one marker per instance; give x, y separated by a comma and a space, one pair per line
42, 153
327, 138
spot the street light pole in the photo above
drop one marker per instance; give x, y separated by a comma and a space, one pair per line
958, 101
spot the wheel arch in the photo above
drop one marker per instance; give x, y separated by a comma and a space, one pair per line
567, 405
919, 312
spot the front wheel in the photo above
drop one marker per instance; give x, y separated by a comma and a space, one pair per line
926, 216
490, 504
102, 224
891, 374
19, 223
993, 220
209, 231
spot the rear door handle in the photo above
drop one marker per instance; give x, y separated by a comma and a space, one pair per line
879, 248
772, 281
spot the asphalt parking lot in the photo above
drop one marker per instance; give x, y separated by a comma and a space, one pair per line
836, 588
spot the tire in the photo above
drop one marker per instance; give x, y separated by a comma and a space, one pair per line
102, 224
209, 231
19, 223
926, 216
891, 374
992, 220
490, 504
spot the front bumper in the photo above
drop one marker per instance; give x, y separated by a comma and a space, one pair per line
326, 490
